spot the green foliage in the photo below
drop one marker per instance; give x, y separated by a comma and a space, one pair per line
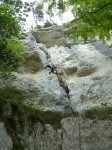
8, 24
11, 55
11, 16
92, 18
27, 112
6, 93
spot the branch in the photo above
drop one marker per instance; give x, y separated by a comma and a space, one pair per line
91, 12
78, 18
99, 8
101, 18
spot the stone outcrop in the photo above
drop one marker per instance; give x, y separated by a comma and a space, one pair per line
86, 69
86, 134
5, 140
84, 81
94, 134
35, 58
40, 139
92, 73
42, 91
52, 36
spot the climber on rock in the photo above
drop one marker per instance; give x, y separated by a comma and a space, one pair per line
52, 69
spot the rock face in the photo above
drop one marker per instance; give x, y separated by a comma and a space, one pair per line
90, 79
92, 134
5, 140
52, 36
35, 58
75, 133
42, 140
83, 81
42, 91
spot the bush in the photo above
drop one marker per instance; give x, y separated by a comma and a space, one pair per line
10, 48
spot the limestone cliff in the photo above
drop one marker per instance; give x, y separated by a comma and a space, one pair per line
83, 82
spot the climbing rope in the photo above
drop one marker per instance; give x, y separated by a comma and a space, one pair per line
66, 89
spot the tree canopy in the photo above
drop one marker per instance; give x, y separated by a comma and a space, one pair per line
91, 17
11, 15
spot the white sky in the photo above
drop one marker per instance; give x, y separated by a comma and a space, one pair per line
66, 17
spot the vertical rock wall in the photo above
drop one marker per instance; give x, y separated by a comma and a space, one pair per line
84, 81
5, 139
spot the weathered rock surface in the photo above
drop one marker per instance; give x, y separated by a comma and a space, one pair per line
53, 36
5, 140
86, 70
86, 134
38, 138
75, 133
35, 58
90, 79
42, 91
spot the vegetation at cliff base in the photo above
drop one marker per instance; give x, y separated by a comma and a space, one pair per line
16, 115
15, 100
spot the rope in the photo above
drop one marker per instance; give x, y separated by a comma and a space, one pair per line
79, 134
65, 87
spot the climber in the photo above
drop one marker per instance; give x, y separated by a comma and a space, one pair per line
52, 69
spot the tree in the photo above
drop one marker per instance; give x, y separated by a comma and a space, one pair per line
38, 14
11, 12
91, 17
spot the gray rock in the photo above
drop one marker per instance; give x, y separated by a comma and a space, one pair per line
83, 68
35, 57
53, 36
42, 91
5, 140
89, 78
87, 134
38, 138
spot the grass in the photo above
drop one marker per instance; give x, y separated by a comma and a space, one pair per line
15, 114
100, 113
15, 100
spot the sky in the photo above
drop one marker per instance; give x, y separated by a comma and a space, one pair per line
66, 17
